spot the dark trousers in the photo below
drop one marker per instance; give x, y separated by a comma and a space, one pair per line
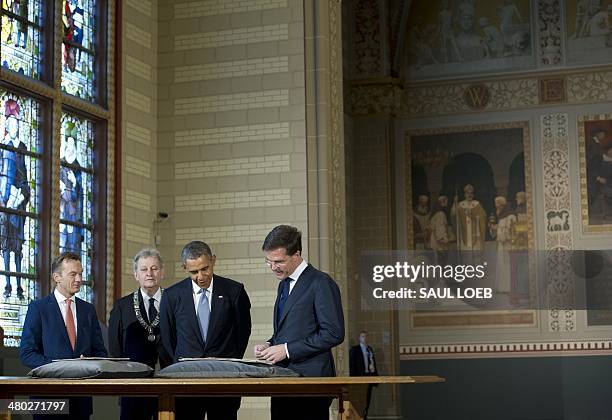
300, 408
138, 408
220, 408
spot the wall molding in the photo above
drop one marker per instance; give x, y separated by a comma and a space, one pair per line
503, 350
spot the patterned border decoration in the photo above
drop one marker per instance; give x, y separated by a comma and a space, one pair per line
528, 189
552, 90
584, 209
337, 157
417, 100
557, 204
521, 349
550, 51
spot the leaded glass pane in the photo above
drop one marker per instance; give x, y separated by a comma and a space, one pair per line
21, 36
19, 209
78, 54
76, 181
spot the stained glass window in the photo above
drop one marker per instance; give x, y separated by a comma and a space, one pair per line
78, 54
19, 209
21, 36
76, 198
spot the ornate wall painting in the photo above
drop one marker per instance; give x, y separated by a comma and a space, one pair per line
458, 37
595, 153
476, 182
589, 31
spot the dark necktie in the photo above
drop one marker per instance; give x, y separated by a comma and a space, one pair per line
152, 310
283, 298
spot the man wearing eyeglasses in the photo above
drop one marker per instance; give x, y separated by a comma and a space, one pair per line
205, 315
308, 322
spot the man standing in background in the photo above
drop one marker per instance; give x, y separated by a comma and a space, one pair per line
133, 329
363, 363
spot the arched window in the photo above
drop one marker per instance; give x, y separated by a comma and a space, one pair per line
54, 149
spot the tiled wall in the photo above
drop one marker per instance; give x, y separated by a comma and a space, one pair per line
139, 132
214, 135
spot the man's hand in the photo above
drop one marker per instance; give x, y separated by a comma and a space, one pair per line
259, 348
274, 354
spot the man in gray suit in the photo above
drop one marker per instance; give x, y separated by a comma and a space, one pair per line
308, 321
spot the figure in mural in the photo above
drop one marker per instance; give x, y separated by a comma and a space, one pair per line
471, 45
471, 222
599, 25
506, 15
448, 46
420, 48
582, 18
14, 194
442, 235
421, 223
594, 155
502, 228
493, 39
604, 177
71, 193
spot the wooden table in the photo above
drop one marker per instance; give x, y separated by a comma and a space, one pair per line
345, 388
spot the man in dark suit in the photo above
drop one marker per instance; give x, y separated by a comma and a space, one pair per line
62, 326
205, 315
308, 322
133, 329
363, 363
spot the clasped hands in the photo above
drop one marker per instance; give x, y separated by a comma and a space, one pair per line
270, 354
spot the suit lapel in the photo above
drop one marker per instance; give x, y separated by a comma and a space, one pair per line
275, 316
143, 308
299, 288
55, 312
80, 305
217, 297
188, 298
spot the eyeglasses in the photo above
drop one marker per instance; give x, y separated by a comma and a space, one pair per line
278, 263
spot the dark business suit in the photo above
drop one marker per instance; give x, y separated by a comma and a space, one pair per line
357, 367
45, 338
228, 336
127, 338
311, 324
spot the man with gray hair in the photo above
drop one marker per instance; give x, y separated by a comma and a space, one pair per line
133, 328
205, 315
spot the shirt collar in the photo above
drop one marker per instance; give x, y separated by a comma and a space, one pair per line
146, 297
61, 298
298, 271
196, 288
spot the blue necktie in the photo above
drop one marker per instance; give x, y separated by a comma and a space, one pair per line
203, 313
283, 298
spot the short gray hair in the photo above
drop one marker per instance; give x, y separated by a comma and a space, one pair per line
194, 250
146, 253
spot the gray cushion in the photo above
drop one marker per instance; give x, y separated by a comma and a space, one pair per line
92, 369
222, 369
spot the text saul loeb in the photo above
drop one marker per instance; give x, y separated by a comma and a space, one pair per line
418, 274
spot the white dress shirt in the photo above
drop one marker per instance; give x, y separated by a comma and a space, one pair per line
147, 299
61, 301
197, 295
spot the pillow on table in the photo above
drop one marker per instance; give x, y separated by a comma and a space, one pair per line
105, 369
223, 369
